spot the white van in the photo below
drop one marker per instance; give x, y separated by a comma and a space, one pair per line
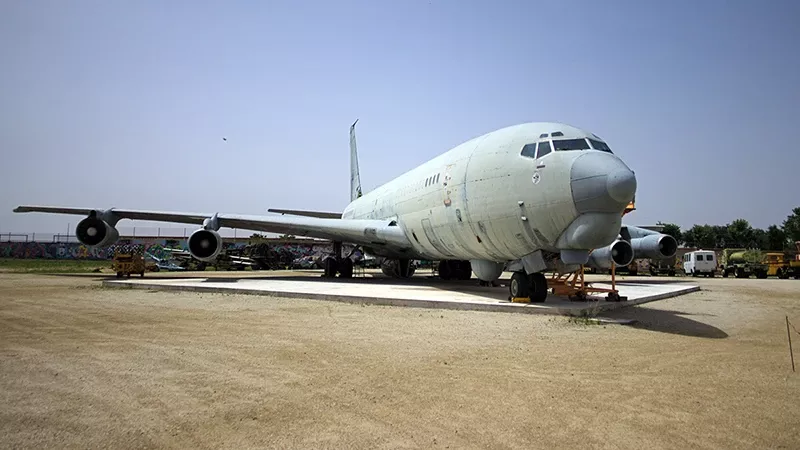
700, 262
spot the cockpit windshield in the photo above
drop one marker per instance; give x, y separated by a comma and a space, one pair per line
600, 145
570, 144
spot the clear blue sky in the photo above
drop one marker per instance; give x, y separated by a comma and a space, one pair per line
126, 103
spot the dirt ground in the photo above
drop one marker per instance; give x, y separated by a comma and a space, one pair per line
85, 366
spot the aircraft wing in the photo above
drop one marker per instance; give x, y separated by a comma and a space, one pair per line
356, 231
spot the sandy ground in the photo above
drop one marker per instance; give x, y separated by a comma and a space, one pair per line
83, 366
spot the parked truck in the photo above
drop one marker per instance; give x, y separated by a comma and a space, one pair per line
663, 266
742, 263
783, 265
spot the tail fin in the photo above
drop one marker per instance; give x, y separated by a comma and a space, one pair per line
355, 178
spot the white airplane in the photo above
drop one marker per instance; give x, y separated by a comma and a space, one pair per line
526, 198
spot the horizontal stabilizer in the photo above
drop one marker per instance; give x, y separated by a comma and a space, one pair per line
319, 214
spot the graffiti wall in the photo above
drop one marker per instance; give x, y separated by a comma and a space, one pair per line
47, 250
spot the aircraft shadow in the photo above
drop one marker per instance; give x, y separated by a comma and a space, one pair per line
665, 321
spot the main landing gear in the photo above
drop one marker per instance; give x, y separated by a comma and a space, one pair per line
531, 286
335, 263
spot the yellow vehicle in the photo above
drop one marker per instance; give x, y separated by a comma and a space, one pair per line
128, 259
782, 265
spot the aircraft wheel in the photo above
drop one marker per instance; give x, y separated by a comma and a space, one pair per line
445, 270
538, 287
519, 286
464, 270
346, 268
330, 266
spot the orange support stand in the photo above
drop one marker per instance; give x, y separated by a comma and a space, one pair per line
575, 287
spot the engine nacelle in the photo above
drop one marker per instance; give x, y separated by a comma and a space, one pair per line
94, 232
397, 268
656, 246
487, 270
205, 245
620, 252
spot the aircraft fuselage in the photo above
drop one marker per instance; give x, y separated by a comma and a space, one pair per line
485, 200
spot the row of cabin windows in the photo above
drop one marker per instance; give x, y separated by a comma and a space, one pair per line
432, 180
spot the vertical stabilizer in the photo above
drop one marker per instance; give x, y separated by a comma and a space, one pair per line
355, 178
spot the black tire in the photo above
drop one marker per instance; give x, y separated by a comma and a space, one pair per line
519, 285
346, 268
119, 274
671, 273
331, 267
141, 274
538, 287
445, 270
464, 270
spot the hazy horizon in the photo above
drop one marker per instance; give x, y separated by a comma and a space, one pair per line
111, 104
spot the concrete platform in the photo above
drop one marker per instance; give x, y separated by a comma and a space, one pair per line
419, 291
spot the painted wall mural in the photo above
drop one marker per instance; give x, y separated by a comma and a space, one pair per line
49, 250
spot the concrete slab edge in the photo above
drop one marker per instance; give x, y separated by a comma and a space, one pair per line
592, 308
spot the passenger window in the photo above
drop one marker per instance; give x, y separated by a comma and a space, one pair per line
529, 151
709, 257
544, 148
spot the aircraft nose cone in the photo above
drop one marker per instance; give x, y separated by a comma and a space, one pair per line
601, 182
621, 185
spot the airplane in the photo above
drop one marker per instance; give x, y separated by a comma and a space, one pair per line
526, 198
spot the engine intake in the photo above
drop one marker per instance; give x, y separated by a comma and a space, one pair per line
620, 252
655, 246
94, 232
205, 245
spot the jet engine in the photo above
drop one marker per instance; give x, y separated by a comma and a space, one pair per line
398, 268
487, 270
95, 232
656, 246
205, 245
620, 252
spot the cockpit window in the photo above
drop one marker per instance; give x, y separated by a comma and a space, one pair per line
571, 144
600, 145
529, 151
544, 148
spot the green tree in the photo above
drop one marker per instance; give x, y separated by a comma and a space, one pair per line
672, 230
739, 234
791, 226
776, 238
760, 240
720, 236
702, 236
